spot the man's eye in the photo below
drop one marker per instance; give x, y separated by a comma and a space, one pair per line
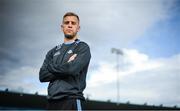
73, 23
67, 22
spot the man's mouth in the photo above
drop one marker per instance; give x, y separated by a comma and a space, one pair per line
69, 30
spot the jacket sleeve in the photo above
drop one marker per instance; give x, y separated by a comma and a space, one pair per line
74, 67
44, 74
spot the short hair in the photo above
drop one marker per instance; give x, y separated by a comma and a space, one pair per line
71, 14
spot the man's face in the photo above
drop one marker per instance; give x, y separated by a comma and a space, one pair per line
70, 26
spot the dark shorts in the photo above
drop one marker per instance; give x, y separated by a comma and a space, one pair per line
66, 104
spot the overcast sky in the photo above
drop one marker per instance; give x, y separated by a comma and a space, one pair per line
147, 31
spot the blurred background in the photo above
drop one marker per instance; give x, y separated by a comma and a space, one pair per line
134, 45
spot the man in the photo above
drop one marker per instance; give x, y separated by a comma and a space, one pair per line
65, 68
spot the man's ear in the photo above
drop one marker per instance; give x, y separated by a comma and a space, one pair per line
62, 27
79, 28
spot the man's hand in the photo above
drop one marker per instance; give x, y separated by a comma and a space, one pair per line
72, 57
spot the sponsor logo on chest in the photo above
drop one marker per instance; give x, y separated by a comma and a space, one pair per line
57, 53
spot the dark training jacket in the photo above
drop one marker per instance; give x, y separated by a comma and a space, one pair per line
66, 79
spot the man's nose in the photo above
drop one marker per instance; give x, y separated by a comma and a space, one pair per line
70, 25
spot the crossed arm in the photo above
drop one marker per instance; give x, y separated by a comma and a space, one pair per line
73, 66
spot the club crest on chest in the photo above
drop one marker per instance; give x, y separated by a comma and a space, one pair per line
70, 52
